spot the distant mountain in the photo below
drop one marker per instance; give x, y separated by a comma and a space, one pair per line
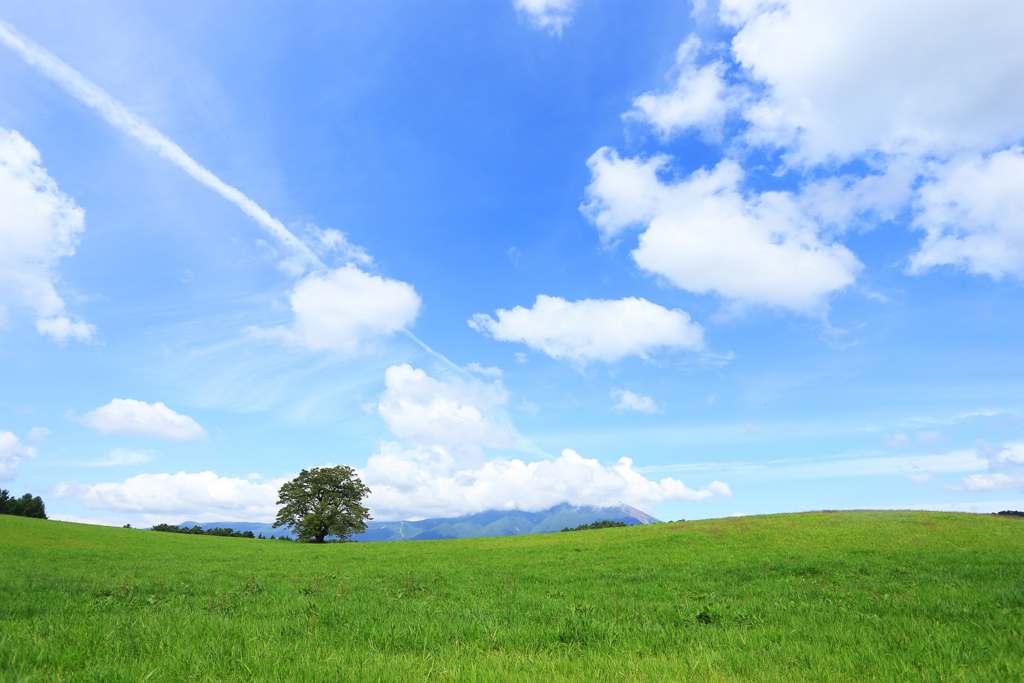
502, 523
489, 523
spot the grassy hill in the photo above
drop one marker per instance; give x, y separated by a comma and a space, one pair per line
894, 596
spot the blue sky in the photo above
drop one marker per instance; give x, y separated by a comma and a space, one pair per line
769, 253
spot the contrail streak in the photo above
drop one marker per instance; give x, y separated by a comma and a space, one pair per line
124, 119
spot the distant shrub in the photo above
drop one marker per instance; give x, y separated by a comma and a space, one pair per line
604, 524
26, 506
1011, 513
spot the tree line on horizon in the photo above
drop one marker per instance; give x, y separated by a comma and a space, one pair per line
26, 506
216, 531
603, 524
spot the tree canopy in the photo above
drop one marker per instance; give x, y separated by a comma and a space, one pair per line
26, 506
322, 502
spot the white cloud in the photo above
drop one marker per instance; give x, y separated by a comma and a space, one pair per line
128, 416
457, 416
12, 454
703, 234
63, 328
839, 466
550, 15
476, 368
344, 308
993, 482
38, 434
630, 401
699, 98
922, 90
331, 241
919, 76
426, 483
1011, 455
123, 456
176, 497
120, 117
1005, 465
39, 224
938, 83
405, 483
919, 477
972, 211
444, 474
593, 329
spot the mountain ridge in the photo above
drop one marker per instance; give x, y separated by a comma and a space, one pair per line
488, 523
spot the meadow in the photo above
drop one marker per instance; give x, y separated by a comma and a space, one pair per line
846, 596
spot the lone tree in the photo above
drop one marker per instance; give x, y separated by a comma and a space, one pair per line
323, 501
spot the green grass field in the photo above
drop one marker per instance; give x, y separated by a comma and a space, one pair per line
891, 596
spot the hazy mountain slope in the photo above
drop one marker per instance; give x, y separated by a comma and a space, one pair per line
488, 523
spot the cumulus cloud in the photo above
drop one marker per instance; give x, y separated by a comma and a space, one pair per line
705, 234
919, 76
630, 401
452, 415
972, 213
426, 483
39, 225
444, 473
593, 329
924, 95
550, 15
344, 308
177, 497
128, 416
699, 97
939, 83
12, 454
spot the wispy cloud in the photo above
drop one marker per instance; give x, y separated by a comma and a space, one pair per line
123, 456
868, 465
397, 301
549, 15
122, 118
